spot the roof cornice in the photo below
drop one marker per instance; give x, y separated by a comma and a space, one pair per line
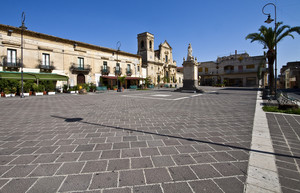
63, 40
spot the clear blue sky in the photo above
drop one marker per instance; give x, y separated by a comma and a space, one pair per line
214, 28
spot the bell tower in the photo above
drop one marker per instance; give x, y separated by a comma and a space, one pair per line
146, 47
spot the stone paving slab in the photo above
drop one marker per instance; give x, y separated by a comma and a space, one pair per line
285, 134
107, 142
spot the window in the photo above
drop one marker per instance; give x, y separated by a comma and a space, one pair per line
11, 56
150, 44
80, 62
118, 67
206, 70
250, 66
200, 69
142, 44
104, 65
240, 68
128, 67
230, 68
166, 58
138, 68
46, 60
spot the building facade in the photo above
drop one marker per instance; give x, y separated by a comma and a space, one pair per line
80, 62
239, 70
157, 64
290, 75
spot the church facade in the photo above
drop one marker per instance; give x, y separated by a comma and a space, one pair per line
158, 64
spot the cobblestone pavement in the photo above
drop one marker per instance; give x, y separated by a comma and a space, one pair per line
285, 134
139, 141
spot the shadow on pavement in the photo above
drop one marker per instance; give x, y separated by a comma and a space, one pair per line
241, 89
170, 136
73, 119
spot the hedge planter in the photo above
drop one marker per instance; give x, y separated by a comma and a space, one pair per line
51, 93
38, 93
26, 94
72, 92
10, 95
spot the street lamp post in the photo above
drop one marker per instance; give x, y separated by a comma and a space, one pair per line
22, 30
118, 49
269, 20
217, 67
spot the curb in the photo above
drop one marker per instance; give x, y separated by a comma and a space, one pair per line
262, 175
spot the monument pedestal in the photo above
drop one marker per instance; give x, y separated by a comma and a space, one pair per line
190, 77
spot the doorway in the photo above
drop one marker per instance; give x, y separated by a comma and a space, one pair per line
80, 79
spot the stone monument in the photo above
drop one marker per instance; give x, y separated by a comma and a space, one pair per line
190, 74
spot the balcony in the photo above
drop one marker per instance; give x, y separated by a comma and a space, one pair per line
228, 71
11, 66
118, 71
105, 71
85, 69
244, 71
128, 72
46, 68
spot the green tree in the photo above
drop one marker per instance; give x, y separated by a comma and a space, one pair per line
269, 37
122, 80
148, 81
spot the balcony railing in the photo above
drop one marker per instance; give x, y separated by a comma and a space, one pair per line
128, 72
228, 71
85, 69
105, 71
118, 71
243, 71
9, 65
46, 68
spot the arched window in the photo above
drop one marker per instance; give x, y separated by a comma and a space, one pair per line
166, 58
142, 44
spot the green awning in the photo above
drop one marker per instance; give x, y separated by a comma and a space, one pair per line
32, 76
16, 76
45, 76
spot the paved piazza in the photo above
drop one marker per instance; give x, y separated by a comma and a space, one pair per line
134, 141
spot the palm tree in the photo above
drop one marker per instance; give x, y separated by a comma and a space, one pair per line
269, 38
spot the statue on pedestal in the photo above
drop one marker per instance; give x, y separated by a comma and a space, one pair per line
190, 74
190, 53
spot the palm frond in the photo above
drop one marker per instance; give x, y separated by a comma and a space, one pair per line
270, 37
295, 29
285, 34
288, 33
281, 29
